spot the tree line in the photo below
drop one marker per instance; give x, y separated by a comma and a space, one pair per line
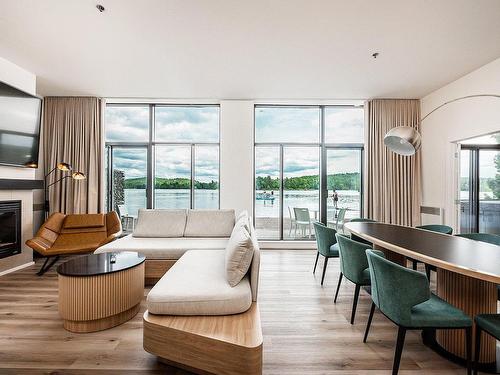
169, 183
339, 181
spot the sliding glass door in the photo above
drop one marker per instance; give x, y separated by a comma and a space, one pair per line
480, 186
304, 155
344, 168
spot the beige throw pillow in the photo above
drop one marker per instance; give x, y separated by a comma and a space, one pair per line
239, 254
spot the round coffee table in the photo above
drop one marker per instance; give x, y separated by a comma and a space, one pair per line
100, 291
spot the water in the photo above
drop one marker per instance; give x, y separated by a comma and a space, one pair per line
171, 198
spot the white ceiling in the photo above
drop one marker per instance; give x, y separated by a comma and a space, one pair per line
258, 49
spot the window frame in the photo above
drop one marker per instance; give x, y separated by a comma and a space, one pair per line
323, 147
151, 159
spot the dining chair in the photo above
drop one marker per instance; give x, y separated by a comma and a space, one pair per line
338, 221
482, 237
404, 297
353, 266
438, 228
292, 221
490, 324
327, 245
303, 220
127, 219
361, 220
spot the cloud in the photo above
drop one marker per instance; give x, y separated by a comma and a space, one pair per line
127, 123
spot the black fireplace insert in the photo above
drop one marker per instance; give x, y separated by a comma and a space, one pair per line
10, 228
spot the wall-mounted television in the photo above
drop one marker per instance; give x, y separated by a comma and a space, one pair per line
20, 115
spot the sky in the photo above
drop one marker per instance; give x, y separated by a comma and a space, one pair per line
201, 124
173, 124
301, 125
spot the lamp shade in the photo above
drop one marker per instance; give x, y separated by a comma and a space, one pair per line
64, 167
403, 140
78, 176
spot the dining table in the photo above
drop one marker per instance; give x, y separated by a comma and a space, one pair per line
468, 273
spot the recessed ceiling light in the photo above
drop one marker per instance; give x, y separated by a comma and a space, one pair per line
100, 8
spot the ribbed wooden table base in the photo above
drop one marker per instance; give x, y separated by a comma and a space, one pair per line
474, 297
95, 303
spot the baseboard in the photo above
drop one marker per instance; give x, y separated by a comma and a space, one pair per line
17, 268
288, 245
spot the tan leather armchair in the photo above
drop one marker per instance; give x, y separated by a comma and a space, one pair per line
72, 234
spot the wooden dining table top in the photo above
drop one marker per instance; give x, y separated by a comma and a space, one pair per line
457, 254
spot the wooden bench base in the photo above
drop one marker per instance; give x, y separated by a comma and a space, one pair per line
156, 268
229, 344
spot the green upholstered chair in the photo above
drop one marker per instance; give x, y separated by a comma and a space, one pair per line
489, 323
483, 237
445, 229
361, 220
353, 266
327, 245
403, 296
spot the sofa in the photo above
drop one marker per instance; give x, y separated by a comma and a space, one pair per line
164, 235
73, 234
202, 312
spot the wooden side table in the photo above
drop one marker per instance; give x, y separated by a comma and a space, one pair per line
100, 291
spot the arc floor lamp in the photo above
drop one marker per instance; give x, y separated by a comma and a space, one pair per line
63, 167
405, 140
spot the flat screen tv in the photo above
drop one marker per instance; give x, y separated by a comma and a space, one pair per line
19, 127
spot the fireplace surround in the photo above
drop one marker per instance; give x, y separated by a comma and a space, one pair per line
10, 228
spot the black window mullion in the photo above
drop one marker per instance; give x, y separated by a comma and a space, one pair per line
282, 193
323, 170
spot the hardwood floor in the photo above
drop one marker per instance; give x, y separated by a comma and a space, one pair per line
304, 332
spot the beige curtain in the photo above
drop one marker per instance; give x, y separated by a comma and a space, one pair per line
73, 133
393, 182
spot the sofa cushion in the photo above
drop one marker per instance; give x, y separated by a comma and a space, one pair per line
162, 248
239, 253
209, 223
196, 285
160, 223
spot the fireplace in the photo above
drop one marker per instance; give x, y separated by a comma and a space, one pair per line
10, 228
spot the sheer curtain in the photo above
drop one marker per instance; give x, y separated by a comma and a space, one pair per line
393, 182
73, 133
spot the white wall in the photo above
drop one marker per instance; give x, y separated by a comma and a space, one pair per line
15, 76
236, 154
455, 121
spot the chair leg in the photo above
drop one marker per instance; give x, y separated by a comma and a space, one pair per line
355, 302
338, 287
477, 348
316, 263
370, 317
399, 349
46, 265
324, 270
428, 272
468, 348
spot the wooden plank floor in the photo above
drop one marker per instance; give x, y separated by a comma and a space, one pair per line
304, 332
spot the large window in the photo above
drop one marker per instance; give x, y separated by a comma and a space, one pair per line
308, 166
161, 156
480, 185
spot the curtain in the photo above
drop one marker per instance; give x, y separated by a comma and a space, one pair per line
73, 133
393, 182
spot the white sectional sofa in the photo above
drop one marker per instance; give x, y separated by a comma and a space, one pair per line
163, 236
202, 314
